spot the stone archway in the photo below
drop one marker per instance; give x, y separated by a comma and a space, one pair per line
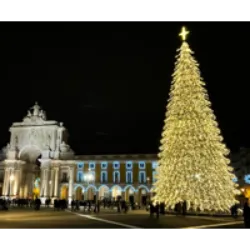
116, 192
104, 192
79, 191
129, 194
90, 193
30, 154
143, 195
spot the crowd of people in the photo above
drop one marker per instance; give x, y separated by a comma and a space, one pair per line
119, 204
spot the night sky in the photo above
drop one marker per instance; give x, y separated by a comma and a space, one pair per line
109, 82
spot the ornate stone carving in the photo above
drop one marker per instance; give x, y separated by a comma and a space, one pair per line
64, 147
36, 139
36, 109
35, 115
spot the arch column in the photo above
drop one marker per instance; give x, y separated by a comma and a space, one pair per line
136, 195
123, 195
12, 177
97, 196
6, 181
17, 174
56, 182
45, 175
71, 183
52, 183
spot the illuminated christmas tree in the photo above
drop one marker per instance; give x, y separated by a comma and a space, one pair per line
192, 162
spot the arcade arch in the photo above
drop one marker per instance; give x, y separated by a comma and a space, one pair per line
104, 192
143, 195
79, 193
116, 192
90, 193
29, 186
129, 193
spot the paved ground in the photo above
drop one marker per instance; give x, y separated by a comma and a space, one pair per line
47, 218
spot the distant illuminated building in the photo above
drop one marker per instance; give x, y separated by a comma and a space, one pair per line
241, 165
39, 162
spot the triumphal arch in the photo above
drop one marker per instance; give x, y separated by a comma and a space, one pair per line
37, 150
38, 162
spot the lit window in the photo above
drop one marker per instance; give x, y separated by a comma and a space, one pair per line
247, 178
142, 165
142, 176
129, 177
104, 176
116, 177
80, 177
116, 164
235, 179
92, 165
104, 165
80, 164
154, 164
129, 165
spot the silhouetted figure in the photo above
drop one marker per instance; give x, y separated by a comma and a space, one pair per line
98, 207
73, 205
177, 208
234, 211
118, 207
77, 205
125, 207
246, 214
151, 209
162, 208
56, 204
184, 208
37, 204
157, 210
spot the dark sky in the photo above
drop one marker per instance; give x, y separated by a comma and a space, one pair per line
109, 82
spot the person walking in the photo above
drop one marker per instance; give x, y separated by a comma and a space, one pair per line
246, 214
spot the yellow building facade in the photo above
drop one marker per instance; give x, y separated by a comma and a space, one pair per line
129, 177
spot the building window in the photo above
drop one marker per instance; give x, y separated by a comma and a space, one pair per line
80, 177
154, 164
129, 177
80, 164
129, 165
142, 165
142, 177
154, 176
116, 164
65, 177
116, 177
104, 165
92, 165
104, 177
